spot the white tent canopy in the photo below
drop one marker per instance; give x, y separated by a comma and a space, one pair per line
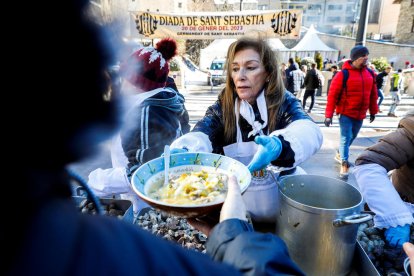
218, 49
310, 44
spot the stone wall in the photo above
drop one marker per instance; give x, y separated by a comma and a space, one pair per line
405, 23
397, 53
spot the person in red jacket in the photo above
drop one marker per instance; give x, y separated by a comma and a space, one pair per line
352, 101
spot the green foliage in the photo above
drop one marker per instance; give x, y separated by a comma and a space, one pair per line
174, 66
307, 61
380, 63
318, 61
297, 60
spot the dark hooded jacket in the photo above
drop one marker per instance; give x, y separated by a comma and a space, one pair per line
151, 125
289, 77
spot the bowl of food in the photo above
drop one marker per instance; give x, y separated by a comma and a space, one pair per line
197, 183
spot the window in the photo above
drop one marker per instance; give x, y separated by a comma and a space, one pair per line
374, 11
313, 18
334, 7
180, 5
334, 19
349, 8
349, 19
314, 7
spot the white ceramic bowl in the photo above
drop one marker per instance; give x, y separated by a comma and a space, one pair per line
152, 173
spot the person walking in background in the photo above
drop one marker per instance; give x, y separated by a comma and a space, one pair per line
155, 116
334, 70
256, 121
294, 77
311, 83
381, 80
304, 69
372, 67
392, 200
351, 102
283, 73
298, 80
396, 90
289, 76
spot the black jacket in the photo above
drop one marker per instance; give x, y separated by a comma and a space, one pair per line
380, 80
213, 126
311, 80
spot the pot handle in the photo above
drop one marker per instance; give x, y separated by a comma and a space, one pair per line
352, 219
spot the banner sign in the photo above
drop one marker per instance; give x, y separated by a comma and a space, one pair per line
270, 24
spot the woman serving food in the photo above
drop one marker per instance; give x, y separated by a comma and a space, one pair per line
256, 122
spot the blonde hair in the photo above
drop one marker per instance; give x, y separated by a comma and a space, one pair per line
274, 88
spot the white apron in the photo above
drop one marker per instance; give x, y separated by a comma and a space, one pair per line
261, 197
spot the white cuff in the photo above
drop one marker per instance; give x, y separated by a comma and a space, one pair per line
194, 142
305, 138
381, 197
109, 182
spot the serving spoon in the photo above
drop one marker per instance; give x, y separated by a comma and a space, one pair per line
166, 163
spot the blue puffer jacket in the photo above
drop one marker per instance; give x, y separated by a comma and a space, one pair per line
213, 126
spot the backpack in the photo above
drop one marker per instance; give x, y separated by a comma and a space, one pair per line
345, 79
346, 76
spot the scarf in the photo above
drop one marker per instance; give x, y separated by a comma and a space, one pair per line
246, 110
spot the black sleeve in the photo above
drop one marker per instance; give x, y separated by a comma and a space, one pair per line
379, 80
286, 157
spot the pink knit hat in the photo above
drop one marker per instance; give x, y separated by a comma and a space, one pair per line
147, 68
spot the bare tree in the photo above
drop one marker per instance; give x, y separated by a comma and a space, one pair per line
193, 46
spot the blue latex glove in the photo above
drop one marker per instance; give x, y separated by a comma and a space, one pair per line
396, 236
269, 149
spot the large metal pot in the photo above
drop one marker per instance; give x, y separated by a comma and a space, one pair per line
318, 220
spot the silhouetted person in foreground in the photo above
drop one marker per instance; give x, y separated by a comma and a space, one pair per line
50, 236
